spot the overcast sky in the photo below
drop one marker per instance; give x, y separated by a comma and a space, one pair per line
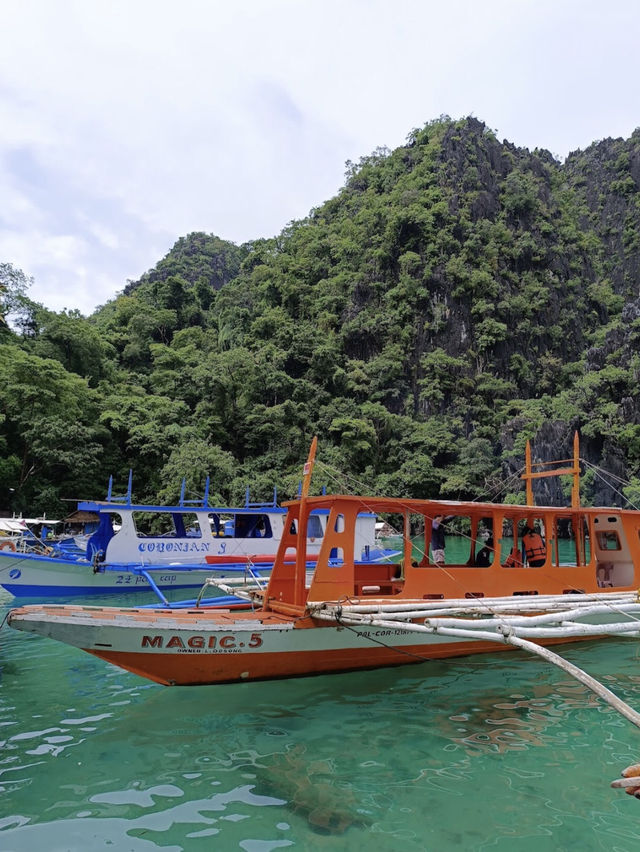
125, 124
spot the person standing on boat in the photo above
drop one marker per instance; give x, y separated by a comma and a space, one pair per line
535, 548
437, 539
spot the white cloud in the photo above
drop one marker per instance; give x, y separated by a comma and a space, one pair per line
128, 124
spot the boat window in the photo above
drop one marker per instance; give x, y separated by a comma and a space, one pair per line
314, 527
452, 531
534, 539
586, 541
510, 546
240, 525
485, 547
608, 540
221, 525
569, 542
166, 524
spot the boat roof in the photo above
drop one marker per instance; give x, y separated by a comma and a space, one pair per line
430, 508
112, 506
97, 506
13, 525
21, 524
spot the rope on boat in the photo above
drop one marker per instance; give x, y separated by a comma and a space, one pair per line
564, 622
598, 471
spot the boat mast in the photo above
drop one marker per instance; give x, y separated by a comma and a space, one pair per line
301, 549
308, 468
573, 471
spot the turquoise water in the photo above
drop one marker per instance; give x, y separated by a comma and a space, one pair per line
489, 753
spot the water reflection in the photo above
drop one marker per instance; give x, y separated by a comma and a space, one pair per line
472, 754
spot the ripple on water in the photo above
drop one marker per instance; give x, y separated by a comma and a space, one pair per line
410, 759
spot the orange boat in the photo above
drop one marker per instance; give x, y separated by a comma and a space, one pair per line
351, 615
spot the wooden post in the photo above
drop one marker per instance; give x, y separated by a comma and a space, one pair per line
301, 549
527, 477
575, 491
408, 545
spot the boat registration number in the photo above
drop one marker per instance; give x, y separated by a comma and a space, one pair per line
135, 580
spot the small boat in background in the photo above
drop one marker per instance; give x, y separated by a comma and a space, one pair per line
27, 535
139, 547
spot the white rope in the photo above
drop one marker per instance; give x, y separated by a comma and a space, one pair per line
505, 485
599, 473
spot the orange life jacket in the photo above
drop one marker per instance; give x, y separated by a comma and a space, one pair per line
513, 560
534, 547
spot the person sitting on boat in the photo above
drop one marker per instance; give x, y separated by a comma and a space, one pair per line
437, 539
535, 548
514, 559
484, 557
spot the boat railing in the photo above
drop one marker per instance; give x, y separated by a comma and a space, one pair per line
197, 503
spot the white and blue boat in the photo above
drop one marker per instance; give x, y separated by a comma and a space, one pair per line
139, 547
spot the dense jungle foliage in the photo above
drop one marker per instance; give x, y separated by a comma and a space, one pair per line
456, 297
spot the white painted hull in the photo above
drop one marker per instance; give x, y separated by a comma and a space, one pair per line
41, 576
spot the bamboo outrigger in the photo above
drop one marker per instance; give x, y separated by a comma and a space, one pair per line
353, 615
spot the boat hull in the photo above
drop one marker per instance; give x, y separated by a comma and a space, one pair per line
44, 576
200, 647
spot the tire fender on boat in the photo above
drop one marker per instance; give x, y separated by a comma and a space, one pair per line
7, 545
